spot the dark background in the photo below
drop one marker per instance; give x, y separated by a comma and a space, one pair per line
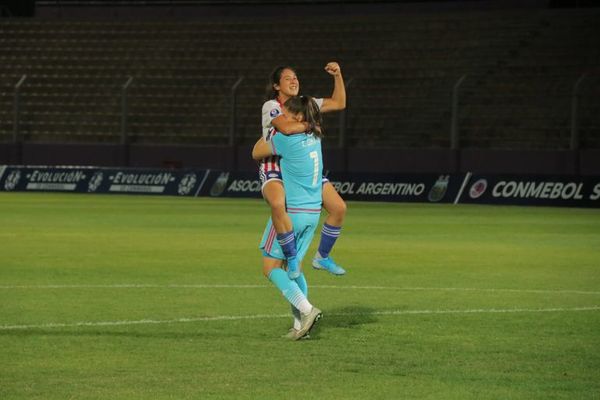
518, 109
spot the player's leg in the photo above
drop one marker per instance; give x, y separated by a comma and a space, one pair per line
305, 225
274, 194
293, 294
303, 285
294, 291
336, 208
304, 228
334, 204
269, 245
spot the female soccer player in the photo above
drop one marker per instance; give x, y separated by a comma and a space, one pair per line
283, 85
301, 170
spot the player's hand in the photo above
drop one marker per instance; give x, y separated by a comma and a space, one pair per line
333, 68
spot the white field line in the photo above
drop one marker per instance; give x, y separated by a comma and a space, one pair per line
449, 289
135, 286
338, 287
274, 316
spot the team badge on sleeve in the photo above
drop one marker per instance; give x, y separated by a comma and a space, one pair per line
274, 113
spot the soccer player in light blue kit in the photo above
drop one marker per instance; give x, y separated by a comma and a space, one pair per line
302, 170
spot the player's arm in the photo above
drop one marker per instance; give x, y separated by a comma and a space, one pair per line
337, 101
289, 126
262, 149
273, 116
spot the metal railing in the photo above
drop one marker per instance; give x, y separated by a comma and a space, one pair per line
454, 135
455, 107
125, 110
574, 143
17, 109
233, 111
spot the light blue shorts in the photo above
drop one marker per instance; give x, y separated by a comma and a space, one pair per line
304, 224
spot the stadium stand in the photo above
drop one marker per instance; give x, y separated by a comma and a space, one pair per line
520, 69
525, 102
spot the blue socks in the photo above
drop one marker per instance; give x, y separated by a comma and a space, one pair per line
287, 241
329, 235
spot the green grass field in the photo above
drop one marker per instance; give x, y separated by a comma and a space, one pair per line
134, 297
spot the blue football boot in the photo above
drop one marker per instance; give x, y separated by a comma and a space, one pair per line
328, 265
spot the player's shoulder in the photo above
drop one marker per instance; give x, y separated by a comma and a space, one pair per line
270, 105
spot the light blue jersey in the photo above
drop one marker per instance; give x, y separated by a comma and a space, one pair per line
302, 170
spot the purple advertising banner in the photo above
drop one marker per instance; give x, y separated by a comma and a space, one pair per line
100, 180
430, 188
569, 191
366, 187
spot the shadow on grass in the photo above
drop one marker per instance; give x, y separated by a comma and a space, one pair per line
350, 317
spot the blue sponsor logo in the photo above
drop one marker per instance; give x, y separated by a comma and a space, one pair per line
273, 175
274, 112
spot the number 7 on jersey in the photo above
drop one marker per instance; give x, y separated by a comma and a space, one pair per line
315, 156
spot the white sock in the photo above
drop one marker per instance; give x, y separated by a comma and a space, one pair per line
304, 306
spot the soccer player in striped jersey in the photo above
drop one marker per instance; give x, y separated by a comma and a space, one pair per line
301, 171
283, 85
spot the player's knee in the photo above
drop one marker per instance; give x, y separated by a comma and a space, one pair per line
339, 209
269, 267
267, 271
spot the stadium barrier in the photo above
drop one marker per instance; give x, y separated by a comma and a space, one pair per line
570, 191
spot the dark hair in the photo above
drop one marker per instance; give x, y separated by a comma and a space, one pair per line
309, 108
274, 79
